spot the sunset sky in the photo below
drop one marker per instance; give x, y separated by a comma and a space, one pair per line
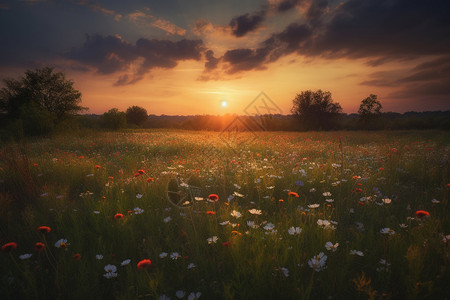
187, 57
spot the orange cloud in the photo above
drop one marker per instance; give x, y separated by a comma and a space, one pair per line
146, 19
97, 7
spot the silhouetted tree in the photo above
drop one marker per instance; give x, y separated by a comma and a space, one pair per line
316, 110
38, 102
369, 111
114, 119
136, 115
49, 90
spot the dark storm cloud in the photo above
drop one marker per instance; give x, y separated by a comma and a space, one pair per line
107, 54
316, 10
377, 30
211, 61
287, 5
112, 54
435, 69
385, 28
246, 23
289, 40
243, 24
429, 78
245, 59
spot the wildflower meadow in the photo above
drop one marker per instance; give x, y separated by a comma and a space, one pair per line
166, 214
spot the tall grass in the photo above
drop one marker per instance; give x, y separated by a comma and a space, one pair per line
76, 186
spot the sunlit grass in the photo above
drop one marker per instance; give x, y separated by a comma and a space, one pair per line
357, 183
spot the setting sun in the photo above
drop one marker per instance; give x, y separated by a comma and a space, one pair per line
224, 103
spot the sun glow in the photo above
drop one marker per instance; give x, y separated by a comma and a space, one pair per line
224, 104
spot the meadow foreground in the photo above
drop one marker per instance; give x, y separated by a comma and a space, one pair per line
269, 215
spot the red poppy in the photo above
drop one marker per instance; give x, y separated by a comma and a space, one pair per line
144, 264
136, 174
77, 256
150, 179
422, 214
39, 246
97, 167
213, 197
118, 216
9, 246
227, 244
358, 190
210, 212
293, 194
141, 172
43, 229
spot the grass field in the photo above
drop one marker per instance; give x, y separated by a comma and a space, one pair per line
335, 215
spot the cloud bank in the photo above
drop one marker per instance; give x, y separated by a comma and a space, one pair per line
112, 54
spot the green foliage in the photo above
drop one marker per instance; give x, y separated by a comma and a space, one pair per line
35, 119
42, 96
369, 112
114, 119
48, 89
136, 115
316, 110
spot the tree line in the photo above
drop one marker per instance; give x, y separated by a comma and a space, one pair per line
44, 101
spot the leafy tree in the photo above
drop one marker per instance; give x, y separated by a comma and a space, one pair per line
316, 110
369, 111
114, 119
50, 90
35, 119
136, 115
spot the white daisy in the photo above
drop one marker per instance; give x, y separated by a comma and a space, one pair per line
386, 200
125, 262
387, 230
193, 296
180, 294
254, 211
318, 262
62, 243
212, 240
356, 252
269, 226
138, 210
236, 214
294, 230
25, 256
110, 269
330, 247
